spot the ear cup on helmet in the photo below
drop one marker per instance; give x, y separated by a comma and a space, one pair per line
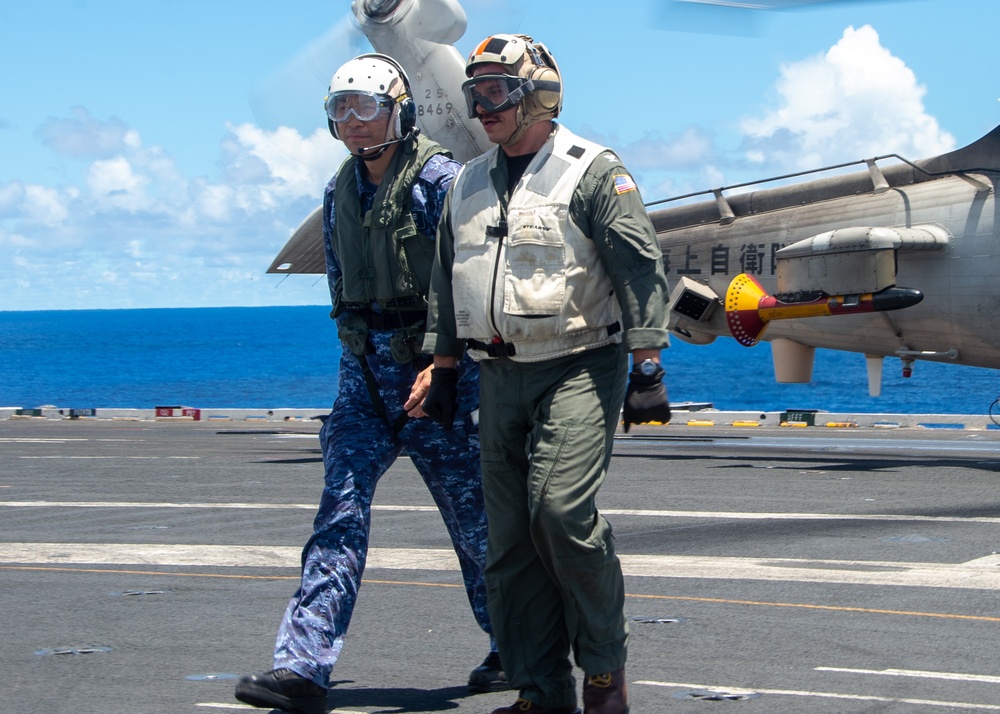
542, 101
406, 114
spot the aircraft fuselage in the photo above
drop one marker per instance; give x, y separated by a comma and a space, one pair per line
959, 318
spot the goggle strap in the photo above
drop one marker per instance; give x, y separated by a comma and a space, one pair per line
544, 85
522, 86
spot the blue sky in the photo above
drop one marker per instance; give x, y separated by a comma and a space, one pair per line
159, 153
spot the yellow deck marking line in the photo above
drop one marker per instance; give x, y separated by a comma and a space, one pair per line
808, 606
223, 576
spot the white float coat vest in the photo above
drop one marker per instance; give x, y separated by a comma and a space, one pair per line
541, 287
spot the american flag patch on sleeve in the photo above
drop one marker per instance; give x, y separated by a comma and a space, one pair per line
624, 184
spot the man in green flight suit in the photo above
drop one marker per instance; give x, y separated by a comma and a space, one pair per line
548, 271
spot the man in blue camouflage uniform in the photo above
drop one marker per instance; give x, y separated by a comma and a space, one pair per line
379, 222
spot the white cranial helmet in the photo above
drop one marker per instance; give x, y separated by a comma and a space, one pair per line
366, 84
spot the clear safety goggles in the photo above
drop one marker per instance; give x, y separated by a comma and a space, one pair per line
366, 106
495, 92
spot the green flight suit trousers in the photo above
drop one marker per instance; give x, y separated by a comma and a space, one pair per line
553, 580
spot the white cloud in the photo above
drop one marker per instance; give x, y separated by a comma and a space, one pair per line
689, 149
33, 204
44, 205
10, 241
855, 101
210, 202
114, 184
11, 198
135, 224
296, 166
666, 165
85, 136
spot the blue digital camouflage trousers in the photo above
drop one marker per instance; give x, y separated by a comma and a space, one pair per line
358, 447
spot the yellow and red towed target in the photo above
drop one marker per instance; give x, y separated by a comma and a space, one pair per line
749, 308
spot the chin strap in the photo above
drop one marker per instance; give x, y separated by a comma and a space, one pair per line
522, 126
523, 122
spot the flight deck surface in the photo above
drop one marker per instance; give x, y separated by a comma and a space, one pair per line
144, 565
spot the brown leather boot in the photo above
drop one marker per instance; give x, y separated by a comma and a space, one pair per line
526, 706
605, 693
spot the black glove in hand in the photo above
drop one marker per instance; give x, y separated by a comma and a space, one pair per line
646, 399
441, 401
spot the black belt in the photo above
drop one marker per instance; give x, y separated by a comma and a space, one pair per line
393, 320
403, 303
498, 349
493, 349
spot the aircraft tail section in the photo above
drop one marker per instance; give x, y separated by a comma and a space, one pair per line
982, 155
303, 253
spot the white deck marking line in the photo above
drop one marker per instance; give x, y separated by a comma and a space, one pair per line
105, 458
248, 708
979, 574
728, 515
735, 515
956, 676
825, 695
36, 440
155, 504
238, 556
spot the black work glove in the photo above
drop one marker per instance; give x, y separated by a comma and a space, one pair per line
645, 400
441, 401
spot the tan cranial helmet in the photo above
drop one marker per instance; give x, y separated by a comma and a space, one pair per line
532, 80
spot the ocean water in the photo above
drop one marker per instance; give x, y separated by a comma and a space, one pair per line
287, 357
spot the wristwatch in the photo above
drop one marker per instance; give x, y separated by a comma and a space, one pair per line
647, 367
